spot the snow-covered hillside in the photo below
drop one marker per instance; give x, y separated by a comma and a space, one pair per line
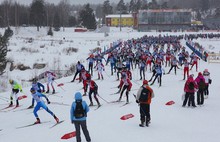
169, 123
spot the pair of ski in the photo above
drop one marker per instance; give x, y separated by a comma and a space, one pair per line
33, 124
6, 109
96, 107
120, 102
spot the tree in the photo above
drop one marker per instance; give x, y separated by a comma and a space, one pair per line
3, 48
56, 22
217, 13
153, 5
72, 21
64, 10
164, 5
121, 7
87, 17
37, 13
205, 5
106, 9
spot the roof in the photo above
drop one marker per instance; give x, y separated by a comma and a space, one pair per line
118, 16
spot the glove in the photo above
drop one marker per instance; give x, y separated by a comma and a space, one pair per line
118, 86
53, 79
48, 102
103, 69
21, 90
137, 101
43, 91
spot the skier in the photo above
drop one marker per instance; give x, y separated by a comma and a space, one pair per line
37, 97
79, 67
112, 61
173, 65
84, 75
159, 72
195, 62
142, 67
93, 88
78, 117
91, 60
208, 81
39, 88
15, 90
189, 89
125, 84
50, 79
143, 98
186, 69
100, 68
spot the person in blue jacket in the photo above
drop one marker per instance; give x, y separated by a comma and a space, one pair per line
37, 97
39, 88
79, 119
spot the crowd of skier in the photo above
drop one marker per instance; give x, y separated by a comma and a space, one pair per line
151, 54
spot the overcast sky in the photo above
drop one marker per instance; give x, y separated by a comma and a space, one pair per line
27, 2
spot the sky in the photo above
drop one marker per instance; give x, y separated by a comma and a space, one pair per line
168, 123
27, 2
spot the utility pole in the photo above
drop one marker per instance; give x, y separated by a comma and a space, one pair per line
120, 20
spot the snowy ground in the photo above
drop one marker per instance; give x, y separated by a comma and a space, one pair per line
168, 124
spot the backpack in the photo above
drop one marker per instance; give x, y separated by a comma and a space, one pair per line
201, 84
79, 111
191, 86
144, 94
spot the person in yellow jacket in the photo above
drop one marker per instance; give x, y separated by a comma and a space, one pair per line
15, 90
143, 98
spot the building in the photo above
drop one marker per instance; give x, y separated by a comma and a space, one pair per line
164, 19
125, 20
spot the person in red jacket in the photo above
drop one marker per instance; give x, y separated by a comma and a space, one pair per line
190, 89
200, 80
84, 75
143, 98
93, 88
125, 84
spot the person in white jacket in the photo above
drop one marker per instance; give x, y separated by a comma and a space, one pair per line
206, 75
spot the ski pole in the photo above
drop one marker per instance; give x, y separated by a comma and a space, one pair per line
102, 98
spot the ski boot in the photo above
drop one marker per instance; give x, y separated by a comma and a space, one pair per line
38, 121
57, 120
142, 124
53, 92
91, 104
31, 106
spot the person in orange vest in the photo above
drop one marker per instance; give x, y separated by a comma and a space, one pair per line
143, 98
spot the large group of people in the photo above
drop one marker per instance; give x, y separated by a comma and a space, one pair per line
152, 53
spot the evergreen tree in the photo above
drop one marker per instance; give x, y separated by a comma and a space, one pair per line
3, 49
107, 9
205, 5
153, 5
217, 13
72, 21
50, 32
37, 13
56, 22
87, 17
121, 7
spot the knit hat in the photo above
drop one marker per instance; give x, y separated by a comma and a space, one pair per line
199, 74
145, 82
